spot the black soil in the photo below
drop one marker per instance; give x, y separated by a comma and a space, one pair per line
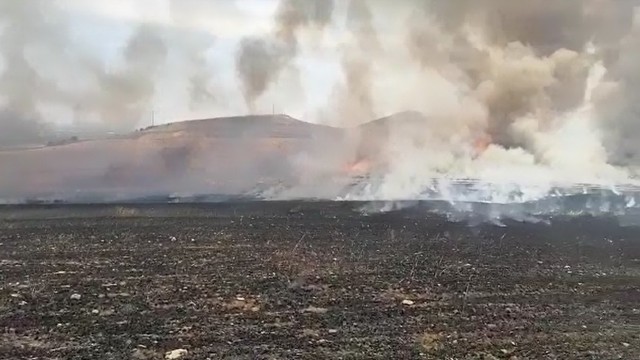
311, 281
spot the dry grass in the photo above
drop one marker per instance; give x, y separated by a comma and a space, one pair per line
126, 212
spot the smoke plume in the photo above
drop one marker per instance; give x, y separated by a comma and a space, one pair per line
354, 99
260, 60
20, 84
532, 92
528, 95
123, 96
195, 48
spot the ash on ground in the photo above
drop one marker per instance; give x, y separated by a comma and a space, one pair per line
263, 280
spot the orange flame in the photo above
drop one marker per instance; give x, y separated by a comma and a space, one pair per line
358, 167
481, 144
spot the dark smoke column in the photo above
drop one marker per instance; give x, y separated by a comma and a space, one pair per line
260, 60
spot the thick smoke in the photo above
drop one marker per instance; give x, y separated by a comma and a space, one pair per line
533, 93
522, 58
618, 101
260, 60
528, 95
20, 84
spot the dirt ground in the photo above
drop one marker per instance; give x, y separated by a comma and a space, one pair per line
311, 281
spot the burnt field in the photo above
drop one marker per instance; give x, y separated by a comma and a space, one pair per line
311, 280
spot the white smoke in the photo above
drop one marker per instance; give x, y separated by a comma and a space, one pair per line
523, 98
534, 100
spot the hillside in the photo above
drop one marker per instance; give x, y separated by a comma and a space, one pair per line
221, 155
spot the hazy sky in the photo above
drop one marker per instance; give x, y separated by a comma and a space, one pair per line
104, 27
98, 32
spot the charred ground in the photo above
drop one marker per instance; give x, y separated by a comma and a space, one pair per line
311, 280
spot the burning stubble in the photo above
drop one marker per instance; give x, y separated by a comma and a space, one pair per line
529, 76
504, 91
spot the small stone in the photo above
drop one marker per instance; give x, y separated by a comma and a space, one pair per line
95, 311
333, 331
240, 298
407, 302
22, 303
139, 354
76, 297
175, 354
626, 344
315, 310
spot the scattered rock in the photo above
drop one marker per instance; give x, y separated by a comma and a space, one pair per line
143, 354
76, 296
315, 310
430, 341
139, 354
310, 333
175, 354
407, 302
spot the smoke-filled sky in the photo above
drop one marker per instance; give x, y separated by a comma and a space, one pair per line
544, 89
99, 65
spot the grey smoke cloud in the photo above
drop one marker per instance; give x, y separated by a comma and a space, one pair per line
260, 60
39, 54
522, 58
532, 93
539, 90
123, 96
20, 84
195, 47
619, 102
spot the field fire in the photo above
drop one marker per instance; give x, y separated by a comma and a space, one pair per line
363, 179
